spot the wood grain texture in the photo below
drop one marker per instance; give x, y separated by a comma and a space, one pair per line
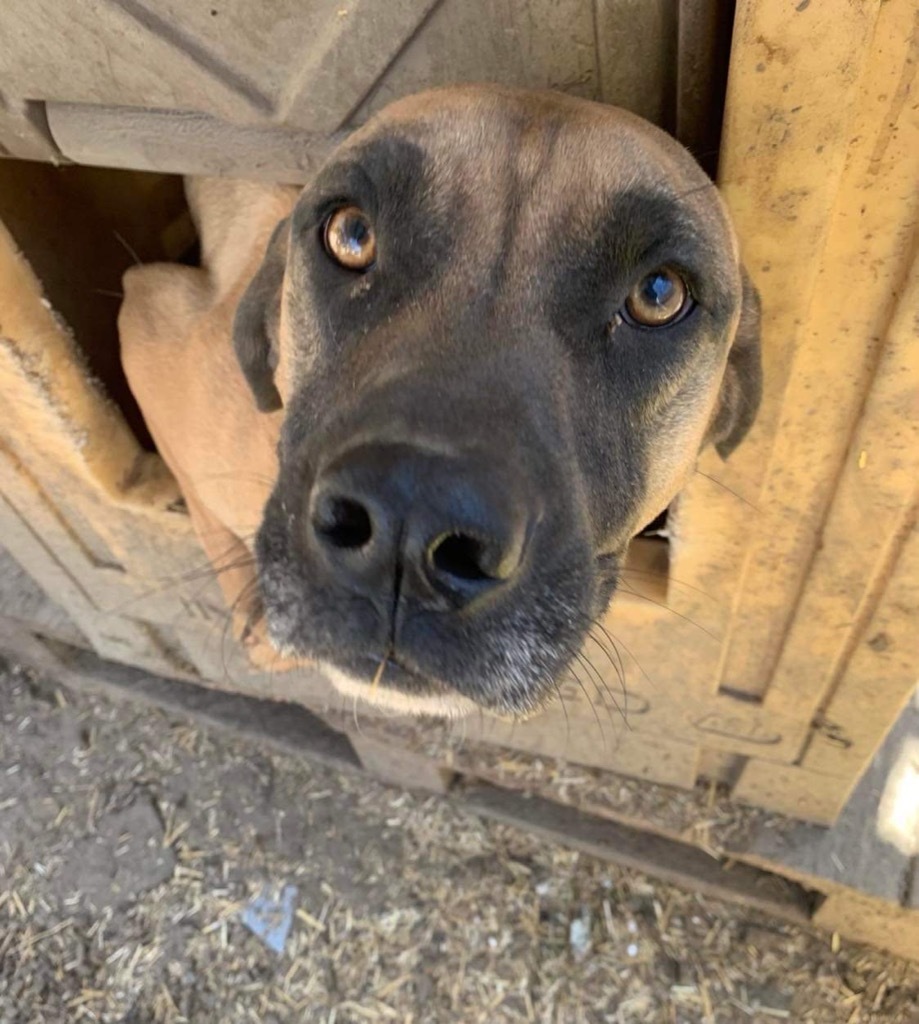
23, 601
851, 855
824, 174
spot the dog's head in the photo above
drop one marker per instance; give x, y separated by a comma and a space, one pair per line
501, 325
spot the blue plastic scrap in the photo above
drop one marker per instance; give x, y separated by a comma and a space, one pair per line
270, 917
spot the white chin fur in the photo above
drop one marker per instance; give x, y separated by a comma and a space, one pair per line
443, 706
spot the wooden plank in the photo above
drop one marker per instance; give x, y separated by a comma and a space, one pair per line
911, 901
588, 741
876, 685
285, 727
24, 132
665, 701
112, 636
101, 597
185, 143
874, 922
22, 600
879, 678
703, 52
792, 790
636, 57
329, 82
826, 174
874, 505
98, 52
542, 44
852, 854
400, 767
225, 664
673, 862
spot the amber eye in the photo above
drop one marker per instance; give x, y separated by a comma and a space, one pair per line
349, 238
659, 298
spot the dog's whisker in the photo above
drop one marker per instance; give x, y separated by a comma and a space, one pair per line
561, 697
673, 611
378, 675
616, 665
354, 715
128, 248
699, 188
619, 669
599, 682
205, 574
659, 574
252, 616
619, 642
730, 490
590, 704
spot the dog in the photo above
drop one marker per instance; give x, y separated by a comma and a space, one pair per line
175, 326
474, 356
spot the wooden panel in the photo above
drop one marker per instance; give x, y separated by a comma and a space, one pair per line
637, 57
24, 131
593, 742
544, 44
872, 921
245, 60
107, 52
865, 539
703, 52
235, 79
400, 767
23, 601
184, 143
677, 863
852, 854
239, 87
112, 636
847, 154
879, 678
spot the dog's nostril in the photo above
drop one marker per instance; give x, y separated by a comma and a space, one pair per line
343, 523
462, 557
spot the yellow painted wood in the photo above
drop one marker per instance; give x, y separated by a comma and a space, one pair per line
862, 542
880, 676
790, 169
875, 922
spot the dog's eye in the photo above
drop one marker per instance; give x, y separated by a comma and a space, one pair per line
660, 298
349, 238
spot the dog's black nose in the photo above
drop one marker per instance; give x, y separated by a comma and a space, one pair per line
450, 530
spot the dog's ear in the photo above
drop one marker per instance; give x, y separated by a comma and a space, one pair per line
742, 387
257, 321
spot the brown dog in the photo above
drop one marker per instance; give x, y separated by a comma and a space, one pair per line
176, 326
495, 332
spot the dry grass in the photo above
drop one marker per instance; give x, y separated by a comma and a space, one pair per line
129, 842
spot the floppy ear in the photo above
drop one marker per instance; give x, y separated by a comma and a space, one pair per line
256, 323
742, 387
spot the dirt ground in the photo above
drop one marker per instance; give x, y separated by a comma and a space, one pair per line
130, 842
